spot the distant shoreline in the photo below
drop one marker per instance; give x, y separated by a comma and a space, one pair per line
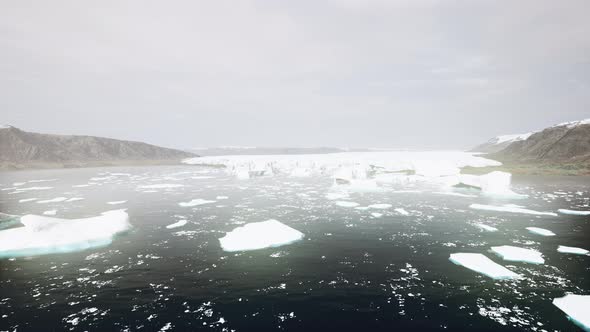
10, 167
533, 169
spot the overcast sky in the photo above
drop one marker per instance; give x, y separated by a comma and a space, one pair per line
357, 73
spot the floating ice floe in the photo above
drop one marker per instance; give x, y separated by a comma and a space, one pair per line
346, 204
335, 196
53, 200
574, 212
402, 211
177, 224
221, 197
50, 212
377, 214
510, 208
379, 206
161, 186
577, 308
486, 228
540, 231
34, 188
517, 254
45, 235
24, 200
482, 264
116, 202
195, 202
572, 250
74, 199
260, 235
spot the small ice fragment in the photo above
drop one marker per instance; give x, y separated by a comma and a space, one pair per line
482, 264
177, 224
53, 200
379, 206
50, 212
161, 186
377, 214
576, 307
402, 211
347, 204
540, 231
517, 254
486, 227
572, 250
335, 196
116, 202
24, 200
510, 208
74, 199
574, 212
260, 235
221, 197
195, 202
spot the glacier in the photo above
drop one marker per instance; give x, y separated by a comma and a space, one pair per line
482, 264
47, 235
259, 235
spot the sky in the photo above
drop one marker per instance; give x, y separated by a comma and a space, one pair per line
353, 73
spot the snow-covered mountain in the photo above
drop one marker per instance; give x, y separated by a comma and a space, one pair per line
499, 143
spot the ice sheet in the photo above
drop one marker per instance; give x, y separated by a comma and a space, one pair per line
517, 254
260, 235
482, 264
576, 307
510, 208
46, 235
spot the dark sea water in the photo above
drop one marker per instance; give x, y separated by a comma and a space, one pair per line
352, 271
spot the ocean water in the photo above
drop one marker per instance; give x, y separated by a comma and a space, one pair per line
353, 271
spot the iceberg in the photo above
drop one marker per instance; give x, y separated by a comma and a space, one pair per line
577, 308
53, 200
510, 208
260, 235
516, 254
574, 212
495, 183
402, 211
195, 202
540, 231
486, 228
177, 224
46, 235
346, 204
482, 264
379, 206
572, 250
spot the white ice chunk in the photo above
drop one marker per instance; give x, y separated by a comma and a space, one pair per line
46, 235
335, 196
74, 199
482, 264
540, 231
177, 224
195, 202
221, 197
486, 228
379, 206
402, 211
53, 200
50, 212
161, 186
577, 308
572, 250
346, 204
260, 235
517, 254
376, 214
494, 183
24, 200
574, 212
510, 208
116, 202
